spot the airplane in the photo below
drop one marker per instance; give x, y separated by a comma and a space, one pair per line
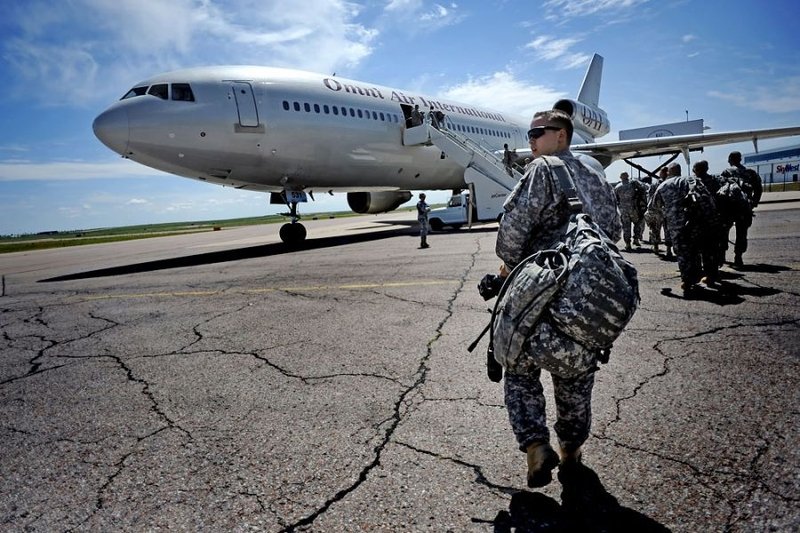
290, 132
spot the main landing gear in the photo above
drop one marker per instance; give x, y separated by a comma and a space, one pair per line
292, 233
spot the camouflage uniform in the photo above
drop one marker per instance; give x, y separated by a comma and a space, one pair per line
654, 222
689, 233
422, 217
536, 216
719, 241
629, 197
751, 184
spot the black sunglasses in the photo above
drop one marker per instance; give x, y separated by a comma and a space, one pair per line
538, 131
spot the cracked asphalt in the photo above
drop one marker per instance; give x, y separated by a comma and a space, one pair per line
217, 382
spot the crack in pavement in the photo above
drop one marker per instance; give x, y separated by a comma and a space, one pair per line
700, 474
480, 477
35, 363
400, 410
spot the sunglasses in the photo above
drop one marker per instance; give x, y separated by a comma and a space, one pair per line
538, 131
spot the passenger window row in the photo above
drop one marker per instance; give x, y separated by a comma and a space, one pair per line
341, 111
386, 117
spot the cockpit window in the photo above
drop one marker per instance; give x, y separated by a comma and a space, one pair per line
136, 91
159, 90
182, 92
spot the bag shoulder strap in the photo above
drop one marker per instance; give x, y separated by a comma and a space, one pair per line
565, 181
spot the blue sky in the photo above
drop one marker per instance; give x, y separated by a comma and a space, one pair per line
734, 64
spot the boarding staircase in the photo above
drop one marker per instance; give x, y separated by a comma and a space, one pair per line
484, 172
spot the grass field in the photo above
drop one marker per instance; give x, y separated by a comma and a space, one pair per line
42, 241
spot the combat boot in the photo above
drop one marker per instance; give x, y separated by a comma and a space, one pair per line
656, 249
636, 243
542, 459
737, 261
628, 246
569, 457
669, 253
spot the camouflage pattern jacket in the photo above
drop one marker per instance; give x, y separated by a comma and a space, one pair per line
537, 211
669, 205
748, 180
631, 197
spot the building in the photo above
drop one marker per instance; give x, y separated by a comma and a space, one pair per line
781, 165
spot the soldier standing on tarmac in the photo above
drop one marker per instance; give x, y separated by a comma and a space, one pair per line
750, 183
422, 216
629, 197
534, 219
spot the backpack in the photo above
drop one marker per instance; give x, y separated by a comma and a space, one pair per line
570, 303
732, 200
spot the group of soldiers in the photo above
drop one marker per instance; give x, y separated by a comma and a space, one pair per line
696, 213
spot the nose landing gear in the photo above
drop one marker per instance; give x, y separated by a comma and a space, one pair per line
292, 233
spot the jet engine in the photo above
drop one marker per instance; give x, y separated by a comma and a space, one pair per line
585, 117
376, 202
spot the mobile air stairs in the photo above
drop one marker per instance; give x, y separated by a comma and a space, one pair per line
484, 173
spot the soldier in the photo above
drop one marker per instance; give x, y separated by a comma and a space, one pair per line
536, 215
689, 215
416, 116
630, 196
750, 183
719, 240
422, 216
654, 224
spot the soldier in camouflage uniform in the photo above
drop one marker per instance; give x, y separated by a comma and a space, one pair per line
630, 196
689, 224
719, 241
750, 183
654, 224
536, 216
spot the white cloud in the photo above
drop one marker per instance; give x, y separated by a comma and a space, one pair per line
779, 98
94, 49
688, 38
137, 201
550, 48
413, 16
62, 171
502, 91
580, 8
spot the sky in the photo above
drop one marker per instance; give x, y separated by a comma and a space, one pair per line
734, 64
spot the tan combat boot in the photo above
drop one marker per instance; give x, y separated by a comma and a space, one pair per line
542, 459
570, 457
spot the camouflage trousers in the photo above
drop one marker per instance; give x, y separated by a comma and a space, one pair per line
423, 226
524, 398
638, 227
697, 257
655, 233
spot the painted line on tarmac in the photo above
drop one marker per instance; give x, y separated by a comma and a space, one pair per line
309, 288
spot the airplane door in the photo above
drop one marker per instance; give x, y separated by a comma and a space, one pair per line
245, 103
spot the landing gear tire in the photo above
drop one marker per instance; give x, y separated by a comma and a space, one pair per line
293, 233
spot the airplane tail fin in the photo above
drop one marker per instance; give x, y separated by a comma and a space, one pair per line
589, 92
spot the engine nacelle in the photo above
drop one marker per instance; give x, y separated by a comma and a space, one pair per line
376, 202
588, 119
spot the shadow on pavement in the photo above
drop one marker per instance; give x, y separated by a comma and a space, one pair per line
236, 254
725, 292
763, 268
250, 252
585, 506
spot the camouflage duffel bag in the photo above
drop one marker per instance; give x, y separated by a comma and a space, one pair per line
559, 308
601, 293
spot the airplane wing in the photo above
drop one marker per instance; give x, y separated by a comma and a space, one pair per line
607, 152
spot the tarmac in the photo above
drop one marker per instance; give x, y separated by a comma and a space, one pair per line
222, 382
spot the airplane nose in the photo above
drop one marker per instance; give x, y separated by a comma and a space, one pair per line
111, 127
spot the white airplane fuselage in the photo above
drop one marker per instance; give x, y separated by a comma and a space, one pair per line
269, 129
